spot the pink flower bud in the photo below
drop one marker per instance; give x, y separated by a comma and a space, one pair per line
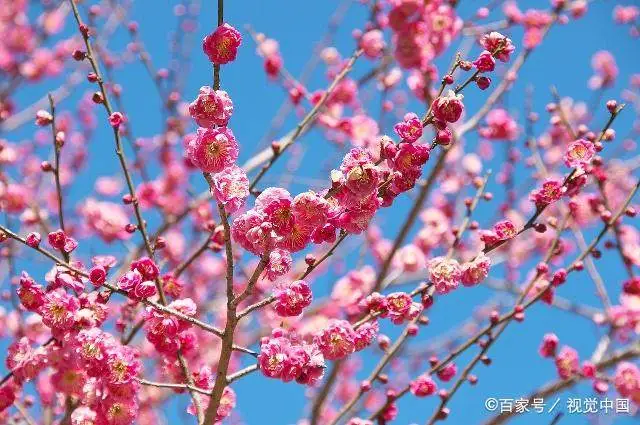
43, 118
116, 119
33, 239
549, 345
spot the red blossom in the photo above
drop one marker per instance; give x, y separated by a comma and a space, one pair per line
222, 45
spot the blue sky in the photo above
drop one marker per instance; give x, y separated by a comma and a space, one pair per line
563, 61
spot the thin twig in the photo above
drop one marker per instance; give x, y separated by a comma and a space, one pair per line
376, 371
90, 56
56, 170
302, 127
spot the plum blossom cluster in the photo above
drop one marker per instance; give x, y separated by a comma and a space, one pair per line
497, 46
139, 282
82, 360
579, 154
286, 357
503, 230
549, 192
169, 333
357, 185
447, 273
421, 31
60, 241
405, 161
359, 188
567, 361
214, 148
339, 338
221, 46
399, 307
87, 361
212, 108
292, 298
279, 221
156, 290
448, 109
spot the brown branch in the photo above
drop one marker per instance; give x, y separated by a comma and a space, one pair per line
216, 68
467, 219
56, 168
90, 56
242, 372
492, 338
226, 350
174, 386
113, 288
268, 300
193, 257
505, 83
509, 316
322, 395
228, 250
284, 143
376, 371
411, 218
24, 413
